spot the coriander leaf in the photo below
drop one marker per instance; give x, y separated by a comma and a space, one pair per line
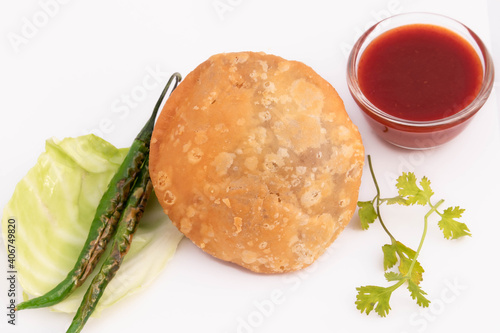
398, 251
451, 228
406, 256
367, 213
407, 184
426, 186
393, 276
376, 298
370, 297
407, 187
418, 294
390, 257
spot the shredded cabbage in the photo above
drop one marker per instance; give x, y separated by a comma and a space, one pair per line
54, 205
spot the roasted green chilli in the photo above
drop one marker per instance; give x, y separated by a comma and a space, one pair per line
121, 244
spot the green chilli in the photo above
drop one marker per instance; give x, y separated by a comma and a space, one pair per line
121, 244
107, 214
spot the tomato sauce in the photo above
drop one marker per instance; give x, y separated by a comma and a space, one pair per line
420, 72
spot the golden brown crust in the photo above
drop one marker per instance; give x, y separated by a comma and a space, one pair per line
256, 161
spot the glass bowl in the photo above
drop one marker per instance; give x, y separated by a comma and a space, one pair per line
415, 134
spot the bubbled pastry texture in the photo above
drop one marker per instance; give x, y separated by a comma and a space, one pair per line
255, 159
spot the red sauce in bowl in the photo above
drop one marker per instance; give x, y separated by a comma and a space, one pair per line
419, 78
420, 72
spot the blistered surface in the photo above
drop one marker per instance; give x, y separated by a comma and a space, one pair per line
256, 161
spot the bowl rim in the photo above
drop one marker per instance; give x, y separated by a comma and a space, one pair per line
462, 115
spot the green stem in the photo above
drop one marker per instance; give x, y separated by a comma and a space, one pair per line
435, 207
424, 233
398, 284
147, 130
377, 198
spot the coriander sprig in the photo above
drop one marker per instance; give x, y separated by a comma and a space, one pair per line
409, 269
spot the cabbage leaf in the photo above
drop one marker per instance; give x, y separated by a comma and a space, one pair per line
54, 205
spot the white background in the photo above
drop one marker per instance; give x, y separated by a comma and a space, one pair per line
70, 67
